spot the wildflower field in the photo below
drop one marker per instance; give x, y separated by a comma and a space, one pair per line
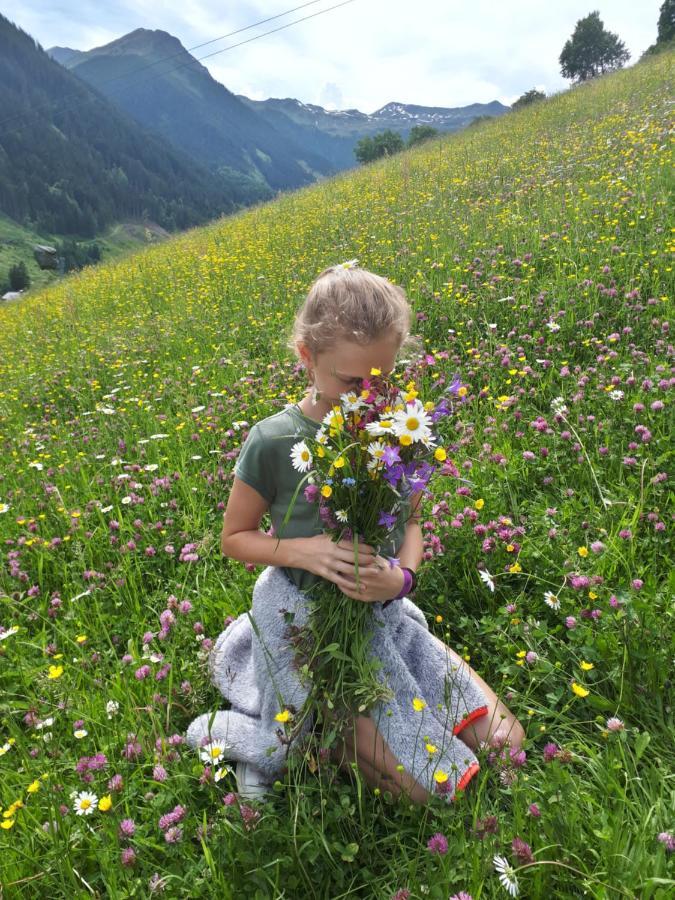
537, 254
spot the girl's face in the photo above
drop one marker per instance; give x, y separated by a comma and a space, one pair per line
342, 368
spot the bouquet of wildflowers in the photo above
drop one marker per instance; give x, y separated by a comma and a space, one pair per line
369, 455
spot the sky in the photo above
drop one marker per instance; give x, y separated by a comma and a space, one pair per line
360, 55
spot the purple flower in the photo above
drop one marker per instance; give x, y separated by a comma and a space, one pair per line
521, 850
127, 828
668, 840
387, 519
437, 843
401, 894
391, 455
311, 493
173, 835
534, 810
159, 773
128, 857
463, 895
550, 752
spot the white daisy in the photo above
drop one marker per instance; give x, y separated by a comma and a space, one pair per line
158, 437
616, 395
151, 467
10, 631
351, 401
321, 437
85, 803
552, 326
6, 747
301, 457
558, 406
80, 733
487, 578
383, 426
4, 507
507, 874
376, 449
334, 419
213, 751
341, 515
551, 600
412, 421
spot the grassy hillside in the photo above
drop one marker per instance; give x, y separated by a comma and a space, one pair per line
536, 252
17, 242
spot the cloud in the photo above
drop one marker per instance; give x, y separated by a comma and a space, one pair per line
365, 54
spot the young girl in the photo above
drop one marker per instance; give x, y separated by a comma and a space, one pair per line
352, 320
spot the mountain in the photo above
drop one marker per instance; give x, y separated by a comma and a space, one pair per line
72, 163
282, 142
335, 133
154, 79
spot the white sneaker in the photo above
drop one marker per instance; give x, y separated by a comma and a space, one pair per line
251, 782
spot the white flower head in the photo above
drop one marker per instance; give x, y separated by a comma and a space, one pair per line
412, 421
85, 803
213, 752
341, 515
349, 264
111, 708
301, 457
487, 579
551, 600
507, 875
552, 326
385, 425
558, 406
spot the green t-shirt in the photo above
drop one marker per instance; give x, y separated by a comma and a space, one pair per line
264, 463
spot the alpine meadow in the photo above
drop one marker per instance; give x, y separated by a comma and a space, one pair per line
536, 250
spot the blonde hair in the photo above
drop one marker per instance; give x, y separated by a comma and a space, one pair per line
352, 304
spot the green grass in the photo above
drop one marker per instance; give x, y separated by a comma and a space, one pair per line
536, 251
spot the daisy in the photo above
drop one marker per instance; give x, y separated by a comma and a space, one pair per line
213, 751
384, 426
85, 803
10, 631
376, 449
321, 437
412, 421
507, 875
334, 419
341, 515
551, 600
80, 733
487, 578
301, 457
351, 402
4, 507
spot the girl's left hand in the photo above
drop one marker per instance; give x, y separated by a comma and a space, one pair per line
377, 582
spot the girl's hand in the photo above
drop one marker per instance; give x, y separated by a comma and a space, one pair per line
377, 583
334, 561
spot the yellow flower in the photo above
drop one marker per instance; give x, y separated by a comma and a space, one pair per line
510, 548
430, 748
55, 672
516, 567
105, 803
439, 619
579, 690
339, 462
582, 551
283, 716
418, 704
7, 823
440, 454
592, 595
81, 638
440, 776
479, 504
405, 440
585, 666
326, 490
375, 371
521, 653
33, 787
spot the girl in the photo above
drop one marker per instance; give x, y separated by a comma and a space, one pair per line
351, 320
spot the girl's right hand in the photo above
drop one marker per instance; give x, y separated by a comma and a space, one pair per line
334, 560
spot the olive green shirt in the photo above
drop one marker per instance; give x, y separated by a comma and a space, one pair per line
264, 463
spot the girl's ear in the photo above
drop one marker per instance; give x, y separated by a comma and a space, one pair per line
304, 354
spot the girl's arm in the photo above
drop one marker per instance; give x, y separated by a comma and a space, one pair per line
241, 538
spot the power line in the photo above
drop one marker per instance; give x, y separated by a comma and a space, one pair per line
3, 122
